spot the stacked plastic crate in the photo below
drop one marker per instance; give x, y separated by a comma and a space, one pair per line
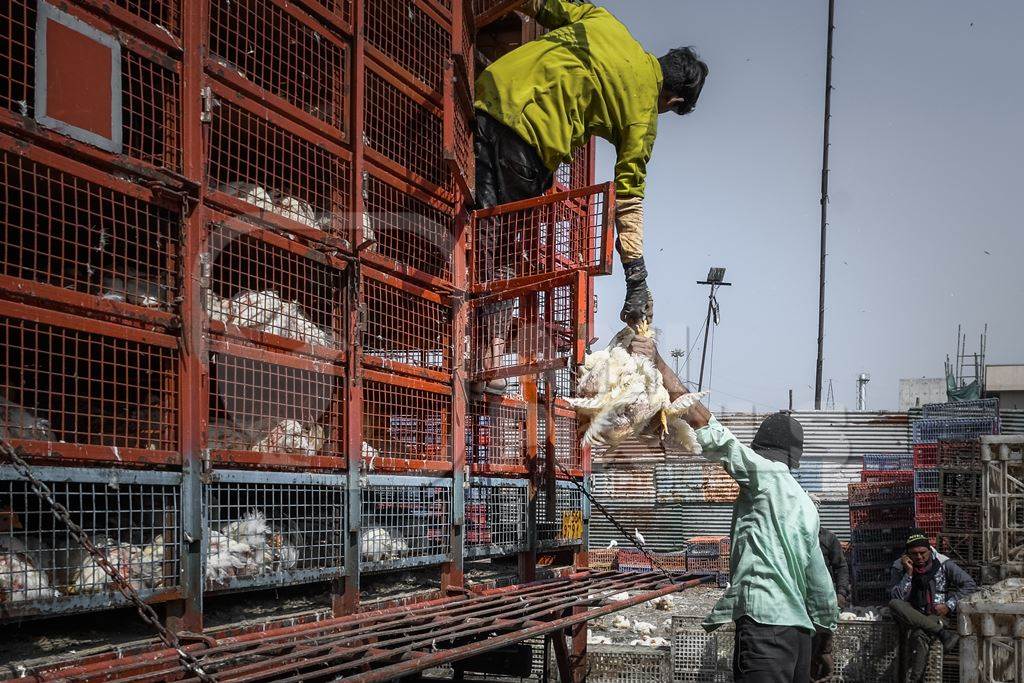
881, 515
709, 555
953, 431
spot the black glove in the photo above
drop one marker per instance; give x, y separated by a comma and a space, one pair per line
639, 304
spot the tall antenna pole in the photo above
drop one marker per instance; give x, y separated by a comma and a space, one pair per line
687, 354
824, 205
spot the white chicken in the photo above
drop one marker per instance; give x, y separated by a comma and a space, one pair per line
90, 577
622, 394
290, 436
377, 544
225, 557
266, 312
22, 575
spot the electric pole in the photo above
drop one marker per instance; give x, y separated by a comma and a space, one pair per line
824, 206
716, 277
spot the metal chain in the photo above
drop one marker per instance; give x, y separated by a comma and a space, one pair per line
148, 615
622, 530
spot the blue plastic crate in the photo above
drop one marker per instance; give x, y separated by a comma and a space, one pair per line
888, 461
926, 481
983, 407
953, 429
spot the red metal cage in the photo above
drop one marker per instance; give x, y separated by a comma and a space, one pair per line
410, 38
260, 164
496, 436
405, 327
85, 239
280, 292
407, 424
282, 55
274, 410
539, 237
85, 389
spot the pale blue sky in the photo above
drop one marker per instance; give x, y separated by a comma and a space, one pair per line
926, 178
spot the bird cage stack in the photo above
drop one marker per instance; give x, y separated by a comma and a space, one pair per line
709, 555
951, 431
881, 516
1002, 519
243, 290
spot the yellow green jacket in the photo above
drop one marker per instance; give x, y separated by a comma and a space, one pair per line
587, 76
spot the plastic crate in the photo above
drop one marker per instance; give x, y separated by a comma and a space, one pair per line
888, 461
145, 122
292, 524
887, 476
964, 549
931, 525
627, 664
953, 429
894, 537
882, 516
962, 517
702, 564
926, 481
960, 485
926, 456
407, 424
960, 455
708, 546
927, 505
984, 407
889, 493
699, 656
601, 558
632, 560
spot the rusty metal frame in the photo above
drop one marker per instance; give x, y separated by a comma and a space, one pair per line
388, 644
496, 11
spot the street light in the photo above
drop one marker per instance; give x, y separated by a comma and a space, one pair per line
716, 278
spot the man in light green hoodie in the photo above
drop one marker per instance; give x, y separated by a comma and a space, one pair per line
780, 589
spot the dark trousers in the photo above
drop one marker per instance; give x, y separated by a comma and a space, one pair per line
917, 631
770, 654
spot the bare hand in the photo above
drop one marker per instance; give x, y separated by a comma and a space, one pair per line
942, 610
644, 346
908, 564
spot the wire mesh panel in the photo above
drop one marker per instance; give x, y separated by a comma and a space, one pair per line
565, 526
104, 240
406, 424
961, 516
460, 126
258, 160
880, 494
984, 407
926, 480
960, 486
131, 517
164, 14
575, 174
563, 383
405, 324
406, 522
866, 651
529, 329
496, 517
496, 435
76, 384
284, 52
624, 664
959, 455
888, 461
699, 656
927, 505
568, 451
150, 103
410, 227
964, 549
535, 237
405, 132
267, 528
274, 409
410, 37
264, 284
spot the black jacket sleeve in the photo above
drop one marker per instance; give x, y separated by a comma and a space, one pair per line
959, 584
832, 550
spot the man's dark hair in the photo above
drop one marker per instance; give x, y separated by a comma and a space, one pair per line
684, 74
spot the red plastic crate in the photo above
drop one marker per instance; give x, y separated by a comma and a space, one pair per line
927, 505
703, 565
930, 525
150, 113
882, 516
708, 546
887, 493
407, 424
286, 56
926, 456
542, 236
887, 476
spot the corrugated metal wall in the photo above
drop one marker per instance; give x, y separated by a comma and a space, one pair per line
671, 497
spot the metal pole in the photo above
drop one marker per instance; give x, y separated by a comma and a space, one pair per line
824, 206
704, 352
790, 400
687, 354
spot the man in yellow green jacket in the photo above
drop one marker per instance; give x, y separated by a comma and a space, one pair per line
586, 76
